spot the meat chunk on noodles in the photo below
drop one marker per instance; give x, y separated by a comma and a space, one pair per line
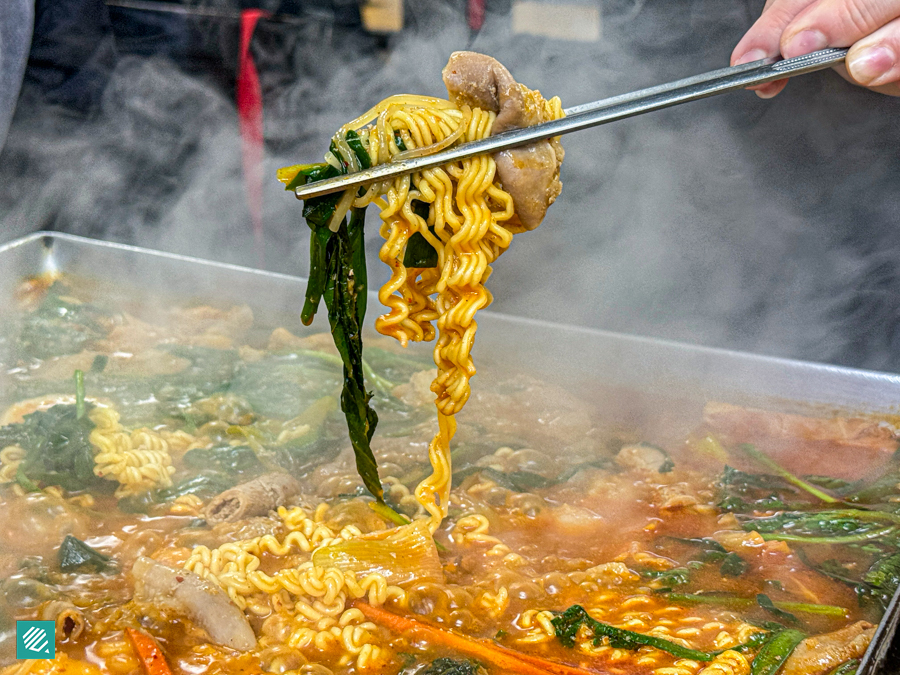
253, 498
530, 174
201, 601
820, 654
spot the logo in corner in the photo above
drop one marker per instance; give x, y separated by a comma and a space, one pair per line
35, 640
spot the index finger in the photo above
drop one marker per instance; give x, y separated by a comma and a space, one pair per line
764, 39
835, 23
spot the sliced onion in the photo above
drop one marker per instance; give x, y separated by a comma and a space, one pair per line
334, 161
340, 210
401, 100
401, 555
347, 153
440, 145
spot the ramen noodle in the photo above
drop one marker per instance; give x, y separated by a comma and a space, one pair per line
460, 212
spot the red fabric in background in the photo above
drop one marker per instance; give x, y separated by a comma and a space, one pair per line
475, 14
250, 118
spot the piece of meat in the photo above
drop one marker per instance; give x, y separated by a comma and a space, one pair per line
199, 600
642, 457
740, 423
253, 498
790, 439
530, 174
820, 653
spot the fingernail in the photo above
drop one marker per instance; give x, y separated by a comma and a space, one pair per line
871, 63
752, 55
804, 42
767, 93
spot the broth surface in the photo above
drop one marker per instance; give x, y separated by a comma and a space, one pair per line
701, 539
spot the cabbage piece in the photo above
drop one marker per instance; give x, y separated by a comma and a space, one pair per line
401, 555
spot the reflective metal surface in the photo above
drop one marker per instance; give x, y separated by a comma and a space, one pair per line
594, 114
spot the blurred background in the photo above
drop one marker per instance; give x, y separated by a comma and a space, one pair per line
767, 226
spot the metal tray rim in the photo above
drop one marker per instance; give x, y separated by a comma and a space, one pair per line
748, 357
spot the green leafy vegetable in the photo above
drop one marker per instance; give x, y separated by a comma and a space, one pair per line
747, 492
883, 578
204, 485
787, 475
519, 481
847, 668
76, 556
233, 459
338, 275
419, 253
735, 602
766, 603
57, 449
732, 565
357, 147
79, 394
568, 623
60, 325
285, 385
837, 526
445, 666
775, 651
98, 365
666, 580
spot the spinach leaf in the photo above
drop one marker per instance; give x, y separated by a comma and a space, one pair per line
666, 580
419, 253
346, 308
204, 485
338, 275
59, 326
732, 565
284, 385
846, 668
518, 481
775, 651
76, 556
766, 603
445, 666
232, 459
568, 623
57, 448
883, 578
357, 147
834, 526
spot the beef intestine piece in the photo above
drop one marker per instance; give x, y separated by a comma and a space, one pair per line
253, 498
199, 600
822, 653
530, 174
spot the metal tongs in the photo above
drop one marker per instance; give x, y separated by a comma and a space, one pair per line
593, 114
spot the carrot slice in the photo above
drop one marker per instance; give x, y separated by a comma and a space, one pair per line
505, 659
149, 653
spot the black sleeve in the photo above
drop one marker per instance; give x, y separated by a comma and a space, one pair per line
72, 52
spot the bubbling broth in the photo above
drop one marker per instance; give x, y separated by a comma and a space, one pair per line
191, 494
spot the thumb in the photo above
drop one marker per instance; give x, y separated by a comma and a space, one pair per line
835, 23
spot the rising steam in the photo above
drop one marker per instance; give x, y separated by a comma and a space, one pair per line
734, 222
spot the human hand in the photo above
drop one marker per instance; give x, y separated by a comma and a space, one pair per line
871, 28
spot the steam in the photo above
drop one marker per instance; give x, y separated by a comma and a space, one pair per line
768, 226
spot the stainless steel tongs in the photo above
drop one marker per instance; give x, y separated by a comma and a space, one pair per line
593, 114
